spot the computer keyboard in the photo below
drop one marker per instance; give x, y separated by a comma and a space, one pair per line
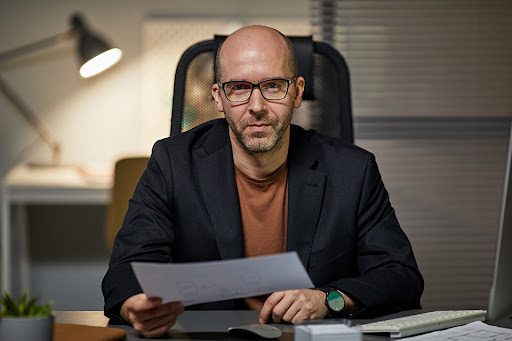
423, 323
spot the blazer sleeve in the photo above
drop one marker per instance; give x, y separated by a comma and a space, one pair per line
146, 233
389, 279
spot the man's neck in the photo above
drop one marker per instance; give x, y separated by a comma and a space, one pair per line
259, 165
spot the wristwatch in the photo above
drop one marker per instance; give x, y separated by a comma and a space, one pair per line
334, 301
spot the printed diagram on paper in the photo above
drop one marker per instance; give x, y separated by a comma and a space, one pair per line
194, 283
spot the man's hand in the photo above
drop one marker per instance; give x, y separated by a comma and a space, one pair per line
294, 306
149, 316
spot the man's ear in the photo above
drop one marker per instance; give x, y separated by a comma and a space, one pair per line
299, 86
217, 97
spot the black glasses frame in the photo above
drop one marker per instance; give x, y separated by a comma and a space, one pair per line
258, 85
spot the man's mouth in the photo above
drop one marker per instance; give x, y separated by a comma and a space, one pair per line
257, 127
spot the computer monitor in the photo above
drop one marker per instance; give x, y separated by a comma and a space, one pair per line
500, 300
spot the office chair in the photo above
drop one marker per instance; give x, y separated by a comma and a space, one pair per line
127, 172
326, 105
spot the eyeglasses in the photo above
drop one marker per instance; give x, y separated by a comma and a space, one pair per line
271, 89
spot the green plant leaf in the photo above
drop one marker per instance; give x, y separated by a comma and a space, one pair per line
23, 307
9, 305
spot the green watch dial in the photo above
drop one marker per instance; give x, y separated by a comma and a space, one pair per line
335, 300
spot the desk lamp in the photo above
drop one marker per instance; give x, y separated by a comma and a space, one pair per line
94, 54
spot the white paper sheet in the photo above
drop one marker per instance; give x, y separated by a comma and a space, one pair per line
474, 331
193, 283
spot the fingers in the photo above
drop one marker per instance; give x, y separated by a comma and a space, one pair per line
137, 302
144, 309
284, 306
149, 316
156, 317
269, 305
292, 312
294, 306
307, 311
158, 326
313, 306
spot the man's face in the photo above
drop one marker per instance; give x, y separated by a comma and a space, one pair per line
258, 125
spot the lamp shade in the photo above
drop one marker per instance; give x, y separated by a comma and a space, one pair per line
94, 52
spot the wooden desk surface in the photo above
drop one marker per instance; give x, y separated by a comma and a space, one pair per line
88, 318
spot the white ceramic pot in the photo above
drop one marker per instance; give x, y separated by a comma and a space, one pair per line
26, 328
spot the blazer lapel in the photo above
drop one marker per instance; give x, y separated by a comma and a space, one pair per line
218, 187
305, 193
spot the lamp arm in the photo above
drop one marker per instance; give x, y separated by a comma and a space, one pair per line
37, 45
27, 113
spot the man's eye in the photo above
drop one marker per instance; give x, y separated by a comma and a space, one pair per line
272, 85
240, 87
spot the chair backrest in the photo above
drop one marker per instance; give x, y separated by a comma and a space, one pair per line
127, 172
326, 105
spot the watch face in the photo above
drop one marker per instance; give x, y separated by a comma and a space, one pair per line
335, 300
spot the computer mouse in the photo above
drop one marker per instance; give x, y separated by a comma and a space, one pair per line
256, 330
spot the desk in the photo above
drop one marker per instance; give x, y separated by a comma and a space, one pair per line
87, 318
212, 325
43, 185
194, 325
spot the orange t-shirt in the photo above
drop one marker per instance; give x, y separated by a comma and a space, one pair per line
264, 212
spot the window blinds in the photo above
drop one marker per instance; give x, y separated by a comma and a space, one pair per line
432, 98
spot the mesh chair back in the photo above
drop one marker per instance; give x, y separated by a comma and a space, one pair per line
326, 105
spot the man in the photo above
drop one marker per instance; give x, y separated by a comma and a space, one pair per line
254, 184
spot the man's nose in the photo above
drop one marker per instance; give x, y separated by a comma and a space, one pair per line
257, 103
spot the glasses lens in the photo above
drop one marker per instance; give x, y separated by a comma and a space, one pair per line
237, 91
274, 88
240, 91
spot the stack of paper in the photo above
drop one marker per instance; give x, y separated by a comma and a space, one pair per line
326, 332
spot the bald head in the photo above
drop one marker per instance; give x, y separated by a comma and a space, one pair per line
255, 38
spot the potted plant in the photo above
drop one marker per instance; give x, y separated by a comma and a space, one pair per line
25, 319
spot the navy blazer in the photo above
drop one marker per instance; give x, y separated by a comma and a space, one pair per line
340, 222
